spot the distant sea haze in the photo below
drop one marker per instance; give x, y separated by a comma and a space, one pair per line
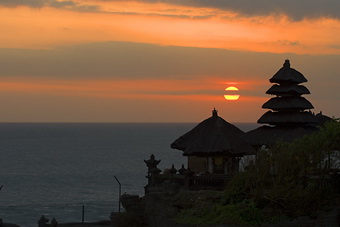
53, 169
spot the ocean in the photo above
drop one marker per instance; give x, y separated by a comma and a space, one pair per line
54, 169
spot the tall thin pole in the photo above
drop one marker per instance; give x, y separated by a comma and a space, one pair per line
120, 193
83, 214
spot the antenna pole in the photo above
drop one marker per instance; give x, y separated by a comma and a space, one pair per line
120, 192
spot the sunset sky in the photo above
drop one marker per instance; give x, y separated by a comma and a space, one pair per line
161, 61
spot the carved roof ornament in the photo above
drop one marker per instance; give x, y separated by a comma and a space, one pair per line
214, 112
152, 163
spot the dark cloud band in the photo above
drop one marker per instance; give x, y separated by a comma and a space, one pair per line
30, 3
50, 3
296, 10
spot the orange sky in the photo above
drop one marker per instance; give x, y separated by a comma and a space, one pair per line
48, 27
138, 56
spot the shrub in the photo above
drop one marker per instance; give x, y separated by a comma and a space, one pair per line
287, 180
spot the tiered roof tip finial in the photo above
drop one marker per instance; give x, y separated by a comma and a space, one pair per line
286, 64
214, 112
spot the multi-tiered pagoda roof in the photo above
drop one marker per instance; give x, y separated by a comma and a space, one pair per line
288, 107
289, 114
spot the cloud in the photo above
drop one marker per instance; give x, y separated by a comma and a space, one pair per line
126, 60
144, 75
30, 3
71, 5
79, 7
296, 10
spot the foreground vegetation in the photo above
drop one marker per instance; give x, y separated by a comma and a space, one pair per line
289, 180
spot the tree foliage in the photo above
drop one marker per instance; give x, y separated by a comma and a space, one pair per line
288, 180
294, 178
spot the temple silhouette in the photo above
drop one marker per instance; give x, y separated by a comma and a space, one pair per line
215, 148
290, 115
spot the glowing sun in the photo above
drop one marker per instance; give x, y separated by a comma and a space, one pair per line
231, 93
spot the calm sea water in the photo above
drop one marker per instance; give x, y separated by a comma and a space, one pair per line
54, 169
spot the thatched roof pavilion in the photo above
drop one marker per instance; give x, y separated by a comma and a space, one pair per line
213, 136
268, 135
213, 145
322, 119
